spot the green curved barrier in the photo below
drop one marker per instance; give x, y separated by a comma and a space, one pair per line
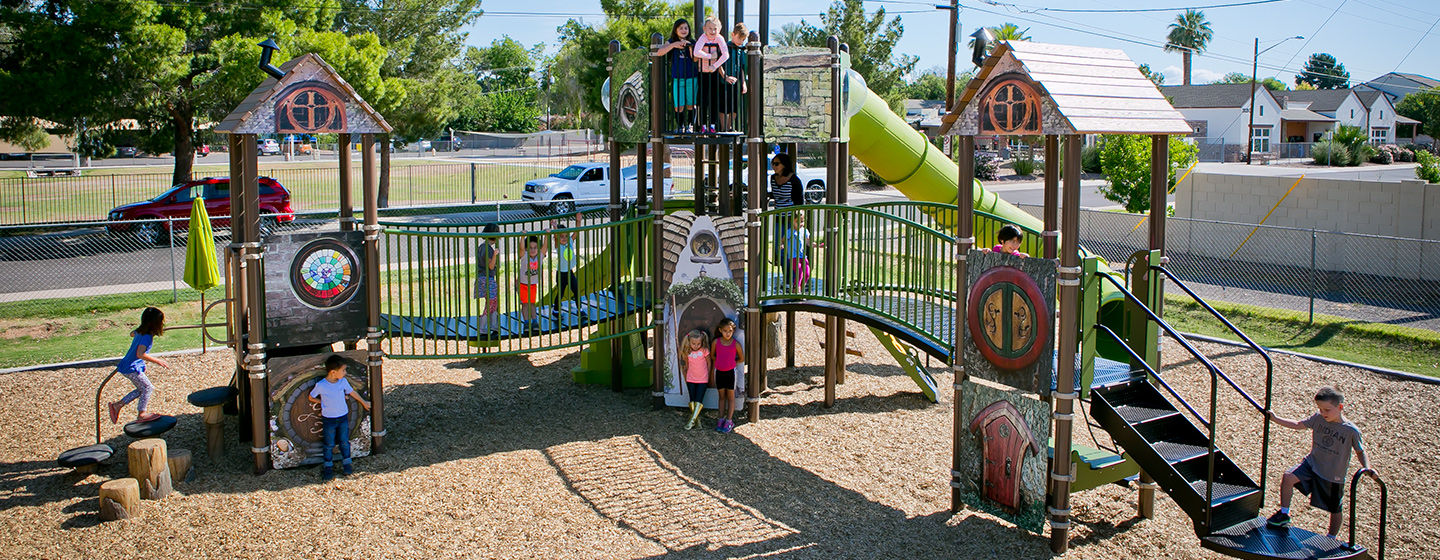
901, 155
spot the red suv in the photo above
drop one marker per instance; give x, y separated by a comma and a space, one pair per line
177, 202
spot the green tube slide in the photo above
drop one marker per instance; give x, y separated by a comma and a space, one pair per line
902, 156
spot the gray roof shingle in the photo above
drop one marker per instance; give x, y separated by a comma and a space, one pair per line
1326, 100
1229, 96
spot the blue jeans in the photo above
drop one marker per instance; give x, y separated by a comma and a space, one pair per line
337, 431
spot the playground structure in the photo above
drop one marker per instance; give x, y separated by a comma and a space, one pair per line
1069, 328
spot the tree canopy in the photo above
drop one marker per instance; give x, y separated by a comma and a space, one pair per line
508, 95
871, 39
1271, 84
1189, 35
930, 84
1125, 160
578, 69
1156, 77
1423, 106
1324, 72
1005, 32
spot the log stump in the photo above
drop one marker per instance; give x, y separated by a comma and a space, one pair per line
179, 460
150, 466
119, 499
215, 431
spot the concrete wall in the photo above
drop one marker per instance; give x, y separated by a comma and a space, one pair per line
1408, 209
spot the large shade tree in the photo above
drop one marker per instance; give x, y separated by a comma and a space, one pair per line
871, 39
1189, 35
1324, 72
1271, 84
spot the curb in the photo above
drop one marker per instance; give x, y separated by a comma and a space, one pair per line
95, 362
1404, 375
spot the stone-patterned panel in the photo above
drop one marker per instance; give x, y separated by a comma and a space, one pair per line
797, 97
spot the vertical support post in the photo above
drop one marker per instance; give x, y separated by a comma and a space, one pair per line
473, 169
739, 10
1159, 189
615, 181
1052, 197
1069, 284
764, 25
1314, 277
839, 244
722, 178
347, 186
375, 364
834, 340
235, 281
723, 12
253, 253
964, 240
657, 225
754, 321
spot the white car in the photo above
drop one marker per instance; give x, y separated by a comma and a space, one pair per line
583, 182
268, 147
813, 179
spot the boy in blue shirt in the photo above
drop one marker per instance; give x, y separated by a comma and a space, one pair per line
1321, 474
330, 394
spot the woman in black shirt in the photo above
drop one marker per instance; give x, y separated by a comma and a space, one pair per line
785, 187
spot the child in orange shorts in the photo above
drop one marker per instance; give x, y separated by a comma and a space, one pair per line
527, 281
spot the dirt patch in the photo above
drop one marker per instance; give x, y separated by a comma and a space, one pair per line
508, 458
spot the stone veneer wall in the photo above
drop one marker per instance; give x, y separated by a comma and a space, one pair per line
809, 121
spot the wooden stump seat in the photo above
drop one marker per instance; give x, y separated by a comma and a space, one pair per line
119, 499
153, 428
150, 465
213, 400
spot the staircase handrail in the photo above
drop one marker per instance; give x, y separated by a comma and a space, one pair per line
1269, 368
1384, 499
1153, 374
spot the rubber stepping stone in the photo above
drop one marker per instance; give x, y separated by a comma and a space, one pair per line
142, 430
84, 456
212, 397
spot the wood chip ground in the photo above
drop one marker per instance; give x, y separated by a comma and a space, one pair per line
508, 458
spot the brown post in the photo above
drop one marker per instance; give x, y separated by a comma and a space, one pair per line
657, 227
347, 186
253, 254
1069, 286
839, 244
1159, 188
722, 178
834, 339
235, 280
964, 240
1052, 197
375, 361
614, 179
754, 321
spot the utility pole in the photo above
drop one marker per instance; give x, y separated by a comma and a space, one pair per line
954, 9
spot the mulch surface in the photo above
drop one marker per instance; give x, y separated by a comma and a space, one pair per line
508, 458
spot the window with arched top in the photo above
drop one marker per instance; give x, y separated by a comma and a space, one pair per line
1010, 106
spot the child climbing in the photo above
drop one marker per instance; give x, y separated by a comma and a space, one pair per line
487, 285
734, 70
712, 52
565, 267
682, 76
1321, 475
527, 281
1010, 238
132, 366
330, 394
798, 242
695, 366
727, 354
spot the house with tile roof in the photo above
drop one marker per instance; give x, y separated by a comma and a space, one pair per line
1220, 116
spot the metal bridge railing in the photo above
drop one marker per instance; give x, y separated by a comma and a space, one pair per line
432, 286
886, 265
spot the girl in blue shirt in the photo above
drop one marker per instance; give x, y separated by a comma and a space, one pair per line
683, 72
132, 366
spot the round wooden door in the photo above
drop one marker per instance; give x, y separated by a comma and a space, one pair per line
1008, 318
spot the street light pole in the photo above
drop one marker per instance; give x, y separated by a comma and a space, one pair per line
1254, 69
954, 9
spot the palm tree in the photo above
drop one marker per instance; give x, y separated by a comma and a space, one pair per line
1006, 32
790, 35
1190, 34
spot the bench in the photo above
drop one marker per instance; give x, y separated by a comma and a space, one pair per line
53, 172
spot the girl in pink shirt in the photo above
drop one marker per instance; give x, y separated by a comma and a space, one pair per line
728, 355
712, 52
695, 366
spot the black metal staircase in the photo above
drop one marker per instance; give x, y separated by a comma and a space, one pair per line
1176, 446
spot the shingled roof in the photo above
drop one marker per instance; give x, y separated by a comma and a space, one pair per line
1086, 90
1211, 96
250, 117
1322, 100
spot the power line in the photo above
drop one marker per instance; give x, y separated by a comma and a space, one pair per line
1317, 32
1138, 10
1417, 44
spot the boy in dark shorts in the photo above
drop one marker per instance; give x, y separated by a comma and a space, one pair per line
1322, 474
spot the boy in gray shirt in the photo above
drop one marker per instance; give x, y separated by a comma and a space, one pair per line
1321, 475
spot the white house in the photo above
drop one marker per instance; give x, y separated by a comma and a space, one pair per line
1220, 116
1397, 85
1340, 105
1386, 126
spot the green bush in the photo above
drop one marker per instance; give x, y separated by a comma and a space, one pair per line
1024, 166
1125, 161
1383, 155
1357, 144
1090, 159
1429, 168
1361, 154
1330, 152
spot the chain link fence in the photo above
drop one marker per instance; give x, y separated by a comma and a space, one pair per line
1368, 278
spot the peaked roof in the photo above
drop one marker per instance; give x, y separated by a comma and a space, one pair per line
1424, 80
297, 69
1368, 96
1323, 100
1093, 90
1212, 96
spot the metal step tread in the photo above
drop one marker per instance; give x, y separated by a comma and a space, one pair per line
1255, 539
1133, 414
1178, 452
1223, 492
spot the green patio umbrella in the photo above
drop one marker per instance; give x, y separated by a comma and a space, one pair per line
201, 271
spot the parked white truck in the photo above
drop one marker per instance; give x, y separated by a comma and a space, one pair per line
584, 183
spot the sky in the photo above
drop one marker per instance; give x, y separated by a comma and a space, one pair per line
1370, 37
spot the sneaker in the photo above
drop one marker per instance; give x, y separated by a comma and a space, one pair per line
115, 412
327, 473
729, 425
347, 469
1280, 519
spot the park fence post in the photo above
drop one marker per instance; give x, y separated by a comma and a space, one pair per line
472, 182
174, 280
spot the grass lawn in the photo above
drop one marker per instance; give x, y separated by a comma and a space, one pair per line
413, 182
1377, 344
67, 330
